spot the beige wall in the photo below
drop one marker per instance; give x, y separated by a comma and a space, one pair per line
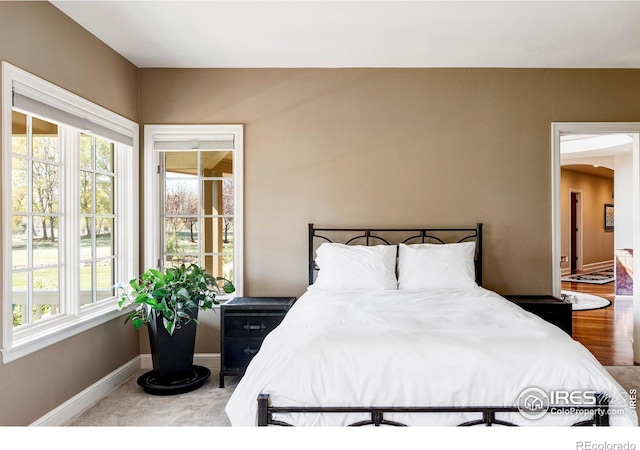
36, 37
394, 147
598, 245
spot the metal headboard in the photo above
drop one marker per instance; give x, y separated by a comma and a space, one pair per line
394, 236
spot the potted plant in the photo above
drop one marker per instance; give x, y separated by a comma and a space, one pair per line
168, 302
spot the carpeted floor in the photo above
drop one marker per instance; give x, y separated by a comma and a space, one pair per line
627, 376
129, 405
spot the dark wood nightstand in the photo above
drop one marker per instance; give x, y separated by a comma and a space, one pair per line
550, 308
244, 323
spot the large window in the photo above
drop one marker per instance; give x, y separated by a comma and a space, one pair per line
195, 195
69, 212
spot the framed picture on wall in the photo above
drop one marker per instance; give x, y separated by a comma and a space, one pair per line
608, 217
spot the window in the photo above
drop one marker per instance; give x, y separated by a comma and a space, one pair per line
97, 255
195, 194
70, 212
35, 220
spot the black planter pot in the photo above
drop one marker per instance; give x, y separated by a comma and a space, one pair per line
172, 355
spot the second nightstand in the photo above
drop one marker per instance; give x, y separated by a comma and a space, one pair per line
549, 308
244, 323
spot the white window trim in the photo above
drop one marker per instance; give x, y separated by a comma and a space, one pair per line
18, 344
153, 133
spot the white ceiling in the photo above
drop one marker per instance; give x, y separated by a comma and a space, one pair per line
304, 33
594, 153
595, 145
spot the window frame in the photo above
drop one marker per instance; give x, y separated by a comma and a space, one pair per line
16, 344
152, 195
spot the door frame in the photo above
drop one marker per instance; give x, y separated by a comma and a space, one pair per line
559, 128
578, 234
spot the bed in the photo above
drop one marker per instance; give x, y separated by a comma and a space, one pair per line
395, 328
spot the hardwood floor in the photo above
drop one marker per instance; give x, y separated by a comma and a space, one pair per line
606, 332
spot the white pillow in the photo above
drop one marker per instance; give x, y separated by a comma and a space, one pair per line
436, 266
356, 267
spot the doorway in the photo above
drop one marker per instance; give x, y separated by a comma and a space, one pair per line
632, 132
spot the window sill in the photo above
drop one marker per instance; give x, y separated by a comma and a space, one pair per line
64, 328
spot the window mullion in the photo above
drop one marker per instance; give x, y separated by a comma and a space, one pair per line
26, 315
123, 230
238, 214
121, 235
94, 221
163, 209
200, 203
70, 289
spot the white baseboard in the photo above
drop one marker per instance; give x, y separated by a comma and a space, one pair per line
78, 403
88, 397
591, 267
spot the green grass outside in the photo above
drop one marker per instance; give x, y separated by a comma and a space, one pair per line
45, 252
103, 275
186, 247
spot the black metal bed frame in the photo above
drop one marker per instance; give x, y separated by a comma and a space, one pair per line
373, 236
265, 413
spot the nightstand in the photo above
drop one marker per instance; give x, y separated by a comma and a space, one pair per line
550, 308
244, 323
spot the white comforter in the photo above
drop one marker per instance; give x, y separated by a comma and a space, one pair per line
405, 348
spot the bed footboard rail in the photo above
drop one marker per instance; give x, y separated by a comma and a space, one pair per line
265, 413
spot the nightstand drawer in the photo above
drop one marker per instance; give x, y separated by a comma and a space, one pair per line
238, 352
250, 325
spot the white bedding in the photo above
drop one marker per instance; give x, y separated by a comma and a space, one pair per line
466, 347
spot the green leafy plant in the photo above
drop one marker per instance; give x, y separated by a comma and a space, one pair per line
175, 293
